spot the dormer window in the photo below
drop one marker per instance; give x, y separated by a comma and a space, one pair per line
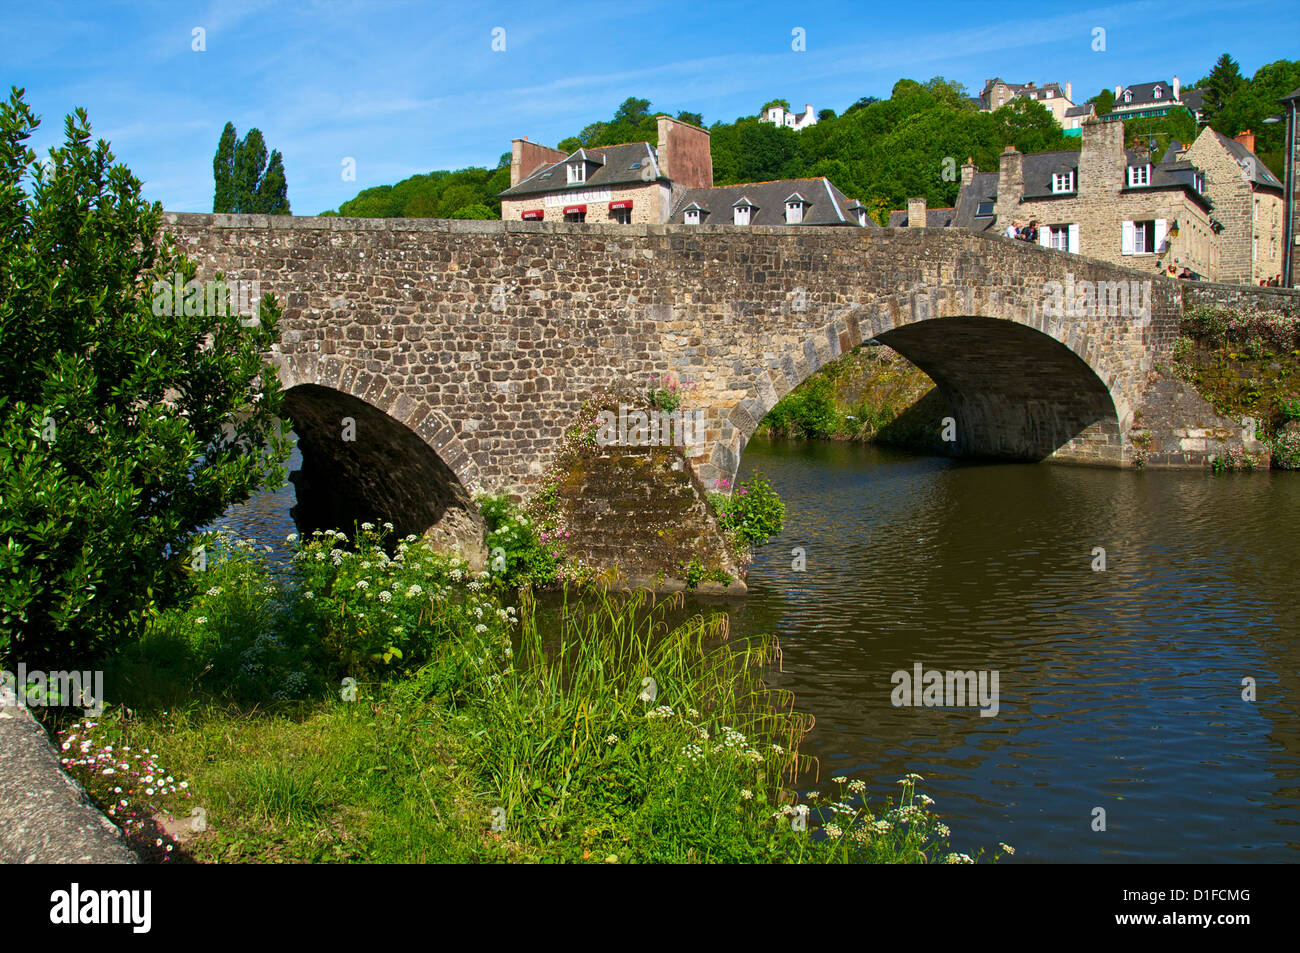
1156, 92
794, 206
741, 212
577, 172
1139, 175
1062, 182
692, 214
1128, 95
1047, 94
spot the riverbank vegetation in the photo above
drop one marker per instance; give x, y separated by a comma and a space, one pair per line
274, 719
870, 394
1247, 364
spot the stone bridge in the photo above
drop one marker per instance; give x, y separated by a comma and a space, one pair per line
479, 341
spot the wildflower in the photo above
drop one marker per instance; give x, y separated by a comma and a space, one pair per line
924, 799
839, 780
914, 777
367, 526
309, 595
857, 786
215, 591
942, 830
747, 794
612, 740
385, 596
833, 830
413, 591
201, 619
1008, 848
958, 859
778, 749
362, 584
291, 538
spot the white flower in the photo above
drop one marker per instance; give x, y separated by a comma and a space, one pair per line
291, 538
215, 591
385, 596
612, 740
833, 830
1008, 848
413, 591
747, 794
201, 619
839, 780
857, 786
362, 584
367, 526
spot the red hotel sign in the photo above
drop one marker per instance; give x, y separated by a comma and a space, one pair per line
624, 204
570, 209
536, 213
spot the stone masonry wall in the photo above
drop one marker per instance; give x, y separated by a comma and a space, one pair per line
484, 337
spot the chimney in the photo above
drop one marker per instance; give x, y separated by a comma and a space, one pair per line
807, 112
1101, 159
916, 212
1069, 92
1246, 138
1177, 87
683, 154
968, 172
1118, 90
1011, 183
527, 157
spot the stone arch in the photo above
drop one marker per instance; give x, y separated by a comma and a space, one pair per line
903, 321
369, 454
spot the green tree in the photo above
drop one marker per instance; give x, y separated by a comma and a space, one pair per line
245, 180
475, 211
272, 191
632, 110
127, 422
783, 103
1103, 102
1224, 80
250, 163
223, 170
695, 119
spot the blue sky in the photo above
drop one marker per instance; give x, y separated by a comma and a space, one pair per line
408, 87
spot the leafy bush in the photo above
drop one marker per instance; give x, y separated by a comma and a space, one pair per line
1286, 448
520, 550
122, 431
754, 513
808, 411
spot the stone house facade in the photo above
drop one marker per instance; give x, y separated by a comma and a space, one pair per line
629, 184
1248, 201
1102, 201
1054, 99
1158, 98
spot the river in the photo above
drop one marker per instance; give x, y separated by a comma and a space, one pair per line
1119, 688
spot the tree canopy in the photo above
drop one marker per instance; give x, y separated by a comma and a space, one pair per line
131, 415
246, 179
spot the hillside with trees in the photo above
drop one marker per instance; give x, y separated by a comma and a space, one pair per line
879, 151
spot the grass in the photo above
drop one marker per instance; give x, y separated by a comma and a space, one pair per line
604, 729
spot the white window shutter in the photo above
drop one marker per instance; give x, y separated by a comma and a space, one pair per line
1045, 236
1161, 229
1126, 238
1074, 239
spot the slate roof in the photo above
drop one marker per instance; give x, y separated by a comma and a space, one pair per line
983, 188
1192, 98
1294, 94
1039, 167
1084, 110
827, 205
607, 165
1259, 173
934, 218
1144, 95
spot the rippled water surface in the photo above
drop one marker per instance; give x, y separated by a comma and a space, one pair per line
1119, 689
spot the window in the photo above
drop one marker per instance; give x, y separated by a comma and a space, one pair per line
577, 172
1128, 96
984, 210
1141, 238
1156, 92
793, 213
742, 215
1063, 181
1272, 248
1139, 175
575, 216
692, 216
623, 216
862, 217
1059, 238
1047, 94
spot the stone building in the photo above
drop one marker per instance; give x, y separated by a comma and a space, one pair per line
1057, 101
1101, 201
1248, 201
631, 183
